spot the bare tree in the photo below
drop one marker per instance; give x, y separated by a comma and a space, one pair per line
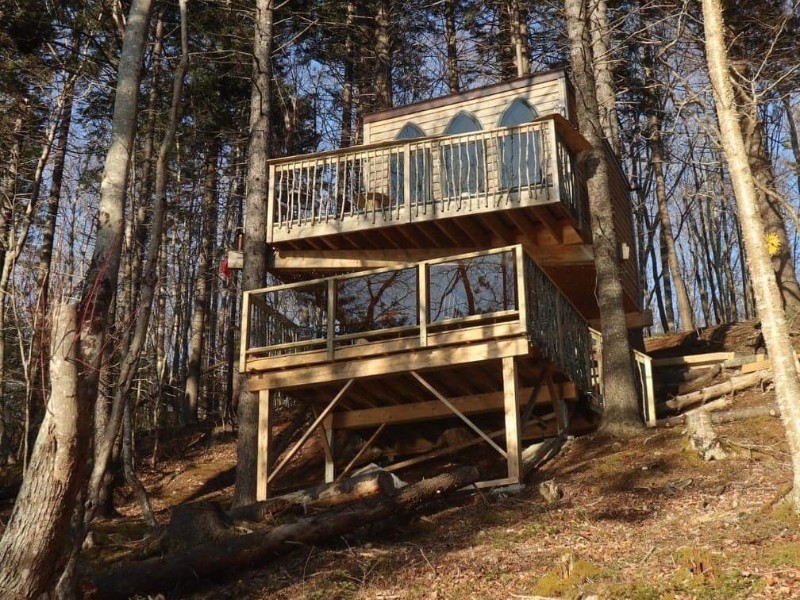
255, 226
621, 400
767, 294
32, 551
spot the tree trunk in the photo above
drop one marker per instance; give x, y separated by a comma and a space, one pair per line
349, 78
620, 396
129, 467
30, 566
255, 226
450, 39
39, 341
130, 360
794, 138
383, 56
767, 294
603, 73
205, 281
31, 550
518, 29
766, 190
221, 558
655, 144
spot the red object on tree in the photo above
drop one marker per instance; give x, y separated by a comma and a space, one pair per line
225, 270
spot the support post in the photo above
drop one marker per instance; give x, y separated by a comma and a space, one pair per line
327, 446
331, 323
422, 274
648, 396
559, 404
244, 335
264, 440
511, 402
407, 181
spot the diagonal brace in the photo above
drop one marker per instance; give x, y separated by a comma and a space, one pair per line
317, 422
459, 414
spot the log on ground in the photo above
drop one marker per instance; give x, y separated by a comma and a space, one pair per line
221, 559
327, 495
715, 391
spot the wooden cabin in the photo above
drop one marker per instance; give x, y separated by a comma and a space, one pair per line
442, 273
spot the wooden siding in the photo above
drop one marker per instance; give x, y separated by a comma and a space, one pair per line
546, 97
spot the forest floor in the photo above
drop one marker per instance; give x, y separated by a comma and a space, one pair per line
643, 519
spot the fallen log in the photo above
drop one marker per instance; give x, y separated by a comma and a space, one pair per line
220, 559
737, 383
682, 375
727, 416
700, 382
537, 455
327, 495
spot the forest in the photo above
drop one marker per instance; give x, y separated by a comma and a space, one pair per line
134, 142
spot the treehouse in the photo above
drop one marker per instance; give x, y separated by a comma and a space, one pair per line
438, 278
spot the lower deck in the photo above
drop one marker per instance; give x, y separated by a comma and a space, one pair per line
484, 341
415, 414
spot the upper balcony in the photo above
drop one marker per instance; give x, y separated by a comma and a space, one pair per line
346, 195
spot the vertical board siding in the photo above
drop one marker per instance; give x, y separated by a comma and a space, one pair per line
547, 97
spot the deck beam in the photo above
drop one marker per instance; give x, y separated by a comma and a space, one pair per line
430, 410
355, 369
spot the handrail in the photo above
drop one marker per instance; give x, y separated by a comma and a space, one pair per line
575, 141
643, 369
400, 310
557, 328
398, 267
406, 180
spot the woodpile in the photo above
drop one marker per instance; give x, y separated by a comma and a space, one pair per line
701, 389
687, 383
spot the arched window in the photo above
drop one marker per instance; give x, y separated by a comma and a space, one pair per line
419, 172
463, 122
519, 151
409, 132
463, 165
518, 112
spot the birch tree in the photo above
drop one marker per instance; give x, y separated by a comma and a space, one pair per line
765, 287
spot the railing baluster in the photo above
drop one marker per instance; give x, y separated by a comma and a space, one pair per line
315, 197
406, 181
456, 174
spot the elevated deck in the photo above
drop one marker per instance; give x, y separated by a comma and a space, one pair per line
392, 184
484, 333
407, 200
487, 304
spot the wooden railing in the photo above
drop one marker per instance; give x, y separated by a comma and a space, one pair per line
430, 301
557, 328
411, 300
419, 179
